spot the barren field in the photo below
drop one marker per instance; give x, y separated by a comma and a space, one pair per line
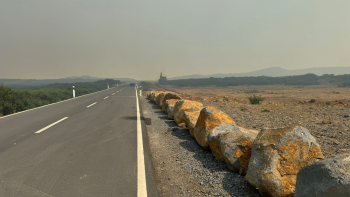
323, 110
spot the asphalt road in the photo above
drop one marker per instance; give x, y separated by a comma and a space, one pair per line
92, 151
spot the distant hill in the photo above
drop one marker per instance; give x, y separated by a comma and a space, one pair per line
275, 72
27, 83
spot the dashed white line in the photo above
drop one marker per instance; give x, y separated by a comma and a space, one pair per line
141, 173
91, 105
106, 97
43, 129
113, 94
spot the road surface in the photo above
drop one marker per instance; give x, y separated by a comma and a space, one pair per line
85, 146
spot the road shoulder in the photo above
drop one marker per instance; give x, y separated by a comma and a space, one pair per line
181, 167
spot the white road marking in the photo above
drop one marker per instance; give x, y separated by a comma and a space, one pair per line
106, 97
113, 94
141, 173
43, 129
91, 105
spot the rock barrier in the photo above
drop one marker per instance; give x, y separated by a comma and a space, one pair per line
278, 162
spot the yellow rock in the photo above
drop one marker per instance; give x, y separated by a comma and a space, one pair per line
170, 107
209, 118
168, 96
233, 145
154, 95
159, 99
183, 106
277, 157
190, 120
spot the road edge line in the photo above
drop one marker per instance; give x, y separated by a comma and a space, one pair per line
141, 173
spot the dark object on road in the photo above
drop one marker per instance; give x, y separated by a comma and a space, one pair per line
148, 121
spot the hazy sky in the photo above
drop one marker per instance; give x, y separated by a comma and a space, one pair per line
139, 39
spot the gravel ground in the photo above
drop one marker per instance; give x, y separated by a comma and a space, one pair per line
330, 126
184, 169
327, 118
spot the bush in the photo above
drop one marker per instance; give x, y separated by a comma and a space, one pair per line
12, 101
256, 99
244, 109
265, 110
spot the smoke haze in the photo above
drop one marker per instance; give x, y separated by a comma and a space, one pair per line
139, 39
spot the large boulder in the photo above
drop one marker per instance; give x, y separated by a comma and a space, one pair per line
154, 95
150, 95
190, 120
168, 96
170, 107
277, 157
159, 99
232, 145
329, 177
183, 106
209, 118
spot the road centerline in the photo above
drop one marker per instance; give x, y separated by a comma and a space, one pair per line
106, 97
51, 125
91, 105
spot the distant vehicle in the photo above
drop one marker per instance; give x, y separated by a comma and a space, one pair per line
132, 83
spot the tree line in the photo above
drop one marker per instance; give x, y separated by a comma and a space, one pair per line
12, 101
308, 79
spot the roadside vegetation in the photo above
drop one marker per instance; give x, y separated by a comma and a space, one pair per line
12, 101
256, 100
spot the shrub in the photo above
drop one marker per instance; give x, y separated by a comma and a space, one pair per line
244, 109
265, 110
255, 99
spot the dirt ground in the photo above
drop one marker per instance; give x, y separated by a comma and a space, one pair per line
323, 110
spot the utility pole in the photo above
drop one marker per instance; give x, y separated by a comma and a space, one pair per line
107, 85
73, 92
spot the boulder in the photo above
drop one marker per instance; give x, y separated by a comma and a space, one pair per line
183, 106
168, 96
209, 118
277, 157
190, 120
159, 99
232, 145
170, 107
329, 177
154, 95
150, 95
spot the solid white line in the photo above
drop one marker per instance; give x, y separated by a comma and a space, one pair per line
50, 104
43, 129
141, 173
91, 105
106, 97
